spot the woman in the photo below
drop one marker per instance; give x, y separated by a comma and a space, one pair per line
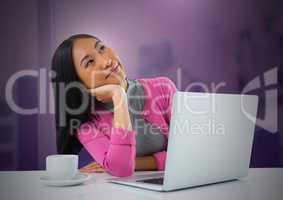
122, 123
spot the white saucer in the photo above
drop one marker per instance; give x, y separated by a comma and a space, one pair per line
78, 179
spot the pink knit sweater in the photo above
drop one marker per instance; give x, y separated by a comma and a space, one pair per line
114, 148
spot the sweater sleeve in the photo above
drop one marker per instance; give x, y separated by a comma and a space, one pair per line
160, 159
115, 153
167, 89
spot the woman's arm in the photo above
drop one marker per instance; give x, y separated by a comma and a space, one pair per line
144, 163
117, 153
121, 112
163, 88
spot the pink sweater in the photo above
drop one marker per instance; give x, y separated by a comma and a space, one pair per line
114, 148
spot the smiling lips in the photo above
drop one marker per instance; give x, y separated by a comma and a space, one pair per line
114, 69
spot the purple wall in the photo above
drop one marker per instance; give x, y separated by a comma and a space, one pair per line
211, 41
19, 134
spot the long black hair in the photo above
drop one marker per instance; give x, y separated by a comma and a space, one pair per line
65, 73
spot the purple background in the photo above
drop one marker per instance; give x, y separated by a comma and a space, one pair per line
212, 41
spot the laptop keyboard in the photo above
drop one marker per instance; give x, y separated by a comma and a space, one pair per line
157, 181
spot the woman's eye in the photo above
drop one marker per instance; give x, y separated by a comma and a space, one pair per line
89, 62
102, 48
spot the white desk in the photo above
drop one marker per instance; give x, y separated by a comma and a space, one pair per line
265, 184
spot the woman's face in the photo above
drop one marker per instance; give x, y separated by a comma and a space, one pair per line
95, 63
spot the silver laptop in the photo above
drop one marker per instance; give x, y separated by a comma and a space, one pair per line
210, 141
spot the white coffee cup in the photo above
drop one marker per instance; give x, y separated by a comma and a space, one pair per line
62, 166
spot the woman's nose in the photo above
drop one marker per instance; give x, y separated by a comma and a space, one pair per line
108, 64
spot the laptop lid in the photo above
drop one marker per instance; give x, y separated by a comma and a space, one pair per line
210, 138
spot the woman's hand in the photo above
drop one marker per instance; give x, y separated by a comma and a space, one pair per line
118, 96
106, 93
145, 163
93, 167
